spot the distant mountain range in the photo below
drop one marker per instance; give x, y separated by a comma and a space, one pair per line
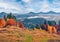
28, 14
2, 14
50, 12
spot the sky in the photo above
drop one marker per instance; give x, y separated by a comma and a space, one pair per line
26, 6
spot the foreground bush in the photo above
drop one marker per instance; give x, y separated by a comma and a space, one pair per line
11, 22
2, 23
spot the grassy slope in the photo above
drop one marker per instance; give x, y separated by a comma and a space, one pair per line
16, 34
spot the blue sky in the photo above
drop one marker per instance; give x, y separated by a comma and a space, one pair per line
26, 6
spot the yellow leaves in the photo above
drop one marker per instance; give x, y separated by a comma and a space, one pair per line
51, 29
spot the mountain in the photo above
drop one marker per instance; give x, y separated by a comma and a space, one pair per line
31, 23
28, 14
50, 12
31, 13
2, 14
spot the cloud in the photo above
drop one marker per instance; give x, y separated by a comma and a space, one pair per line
26, 0
7, 7
40, 16
46, 16
55, 5
26, 6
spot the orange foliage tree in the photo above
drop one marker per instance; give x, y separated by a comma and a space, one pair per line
2, 23
52, 29
11, 22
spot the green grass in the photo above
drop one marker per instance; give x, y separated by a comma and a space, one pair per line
29, 38
44, 40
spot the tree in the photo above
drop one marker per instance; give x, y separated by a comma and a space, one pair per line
59, 22
21, 25
37, 26
45, 22
10, 16
52, 23
5, 17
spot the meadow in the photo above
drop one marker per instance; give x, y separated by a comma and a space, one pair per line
16, 34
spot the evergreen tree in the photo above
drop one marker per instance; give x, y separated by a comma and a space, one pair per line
15, 19
10, 16
45, 22
37, 26
59, 22
52, 23
5, 17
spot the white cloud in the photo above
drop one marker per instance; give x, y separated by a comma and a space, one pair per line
26, 0
7, 7
45, 7
40, 16
27, 6
55, 6
46, 16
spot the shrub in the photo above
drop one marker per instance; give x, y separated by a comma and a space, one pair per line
2, 23
11, 22
20, 25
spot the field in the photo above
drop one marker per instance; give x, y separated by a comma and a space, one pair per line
16, 34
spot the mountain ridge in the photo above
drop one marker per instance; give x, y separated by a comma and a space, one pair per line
50, 12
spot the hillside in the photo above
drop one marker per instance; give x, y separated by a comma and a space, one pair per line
16, 34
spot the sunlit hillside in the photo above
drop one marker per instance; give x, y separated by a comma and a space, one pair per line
16, 34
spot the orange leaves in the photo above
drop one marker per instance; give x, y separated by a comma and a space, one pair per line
2, 23
11, 22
